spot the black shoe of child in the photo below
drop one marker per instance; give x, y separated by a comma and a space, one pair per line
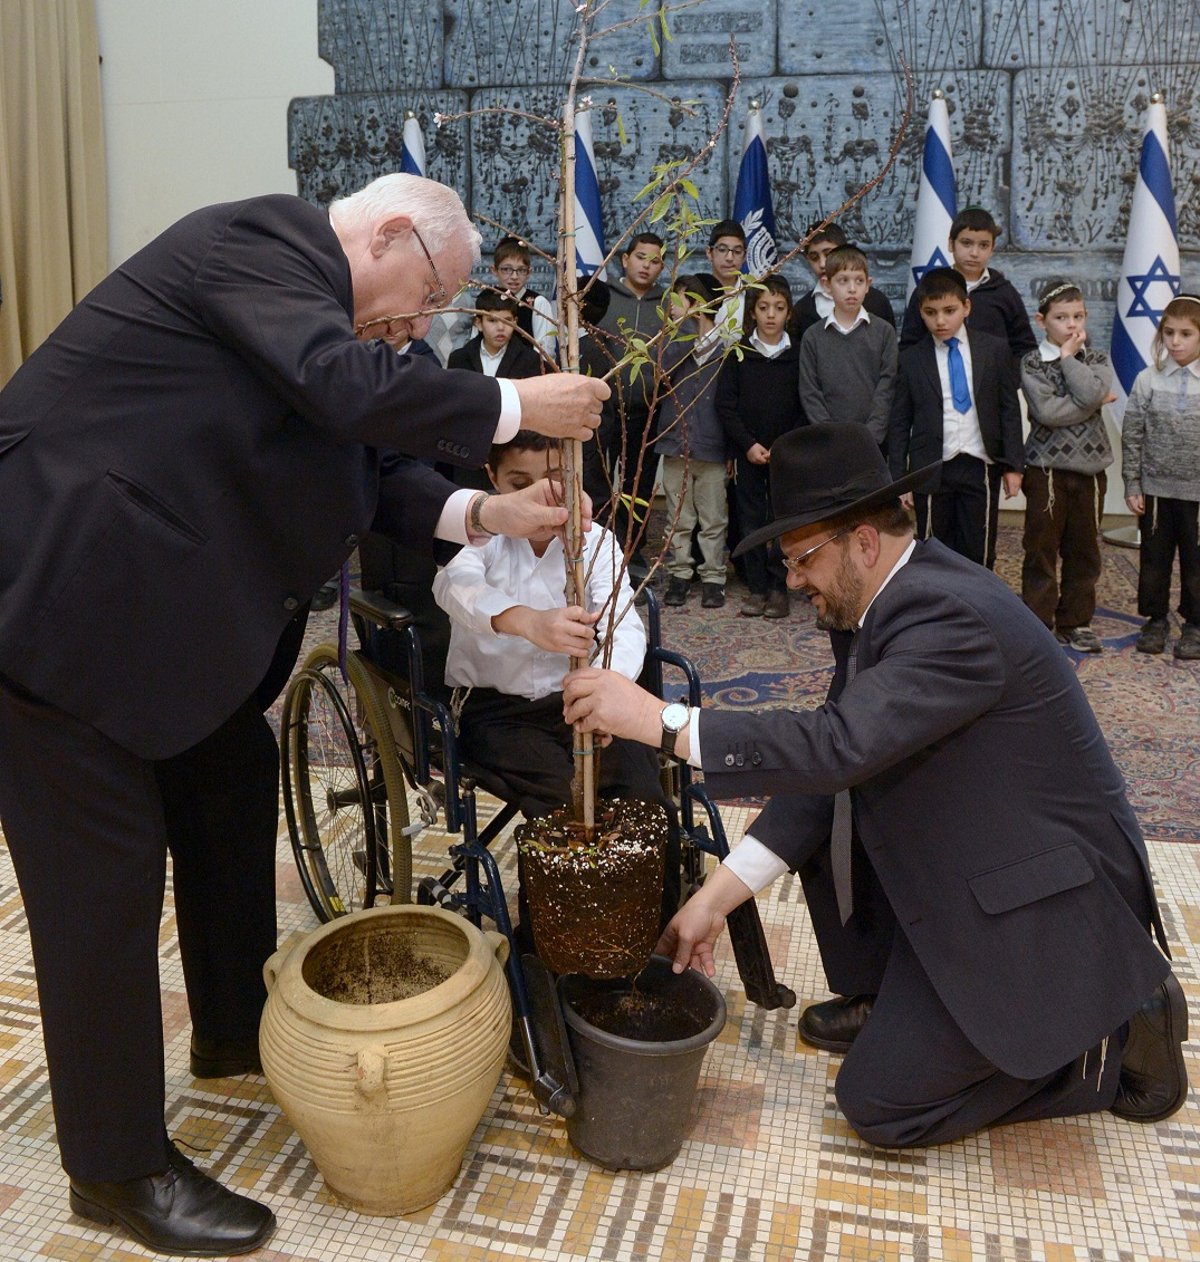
1188, 647
1153, 638
712, 595
677, 592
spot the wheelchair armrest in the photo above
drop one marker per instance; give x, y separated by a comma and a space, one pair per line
666, 657
376, 608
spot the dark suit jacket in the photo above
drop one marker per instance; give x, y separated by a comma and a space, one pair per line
191, 454
519, 360
988, 806
915, 433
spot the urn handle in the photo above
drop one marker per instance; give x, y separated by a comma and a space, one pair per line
273, 966
499, 945
372, 1069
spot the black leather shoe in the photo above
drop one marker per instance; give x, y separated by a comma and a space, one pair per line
211, 1059
1153, 1082
834, 1025
180, 1212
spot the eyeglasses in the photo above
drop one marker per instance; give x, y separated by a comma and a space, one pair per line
512, 270
437, 299
797, 565
729, 249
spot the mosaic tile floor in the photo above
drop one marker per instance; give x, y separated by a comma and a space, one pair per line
769, 1170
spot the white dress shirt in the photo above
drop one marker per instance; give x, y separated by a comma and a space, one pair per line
751, 862
480, 583
489, 361
544, 325
769, 351
832, 322
960, 430
823, 301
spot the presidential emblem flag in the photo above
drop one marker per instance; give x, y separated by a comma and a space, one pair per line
1150, 275
752, 200
937, 197
589, 218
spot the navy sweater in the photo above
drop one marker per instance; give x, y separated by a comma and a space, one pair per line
757, 398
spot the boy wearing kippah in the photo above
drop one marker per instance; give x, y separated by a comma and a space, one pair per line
1066, 383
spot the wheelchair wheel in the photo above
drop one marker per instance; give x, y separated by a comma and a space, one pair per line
343, 789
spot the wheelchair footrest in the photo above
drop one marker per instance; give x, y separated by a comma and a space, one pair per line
553, 1080
754, 960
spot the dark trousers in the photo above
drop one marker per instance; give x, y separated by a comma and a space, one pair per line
89, 826
752, 496
527, 745
1168, 526
1062, 520
911, 1077
963, 512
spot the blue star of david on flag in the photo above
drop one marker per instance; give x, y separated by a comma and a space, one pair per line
936, 259
1157, 273
1150, 274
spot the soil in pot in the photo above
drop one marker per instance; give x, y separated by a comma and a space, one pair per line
375, 968
595, 902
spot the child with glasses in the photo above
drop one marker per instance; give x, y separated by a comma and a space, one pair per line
535, 317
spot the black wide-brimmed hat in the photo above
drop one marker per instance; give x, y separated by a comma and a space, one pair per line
822, 471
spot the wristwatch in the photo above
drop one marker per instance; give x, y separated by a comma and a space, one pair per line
674, 719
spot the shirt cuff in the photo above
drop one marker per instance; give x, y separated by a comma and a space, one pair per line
510, 412
452, 524
754, 865
693, 758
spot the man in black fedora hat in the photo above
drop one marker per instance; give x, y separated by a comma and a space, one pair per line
986, 919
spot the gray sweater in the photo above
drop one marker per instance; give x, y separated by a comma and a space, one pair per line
1160, 441
1066, 424
849, 376
626, 316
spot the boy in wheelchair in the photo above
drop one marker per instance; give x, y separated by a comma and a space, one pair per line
510, 638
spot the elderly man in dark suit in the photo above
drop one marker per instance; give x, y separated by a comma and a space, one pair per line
194, 450
993, 898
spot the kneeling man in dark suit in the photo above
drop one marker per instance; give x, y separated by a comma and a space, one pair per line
977, 881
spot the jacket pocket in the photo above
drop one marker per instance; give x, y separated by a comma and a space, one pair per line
150, 504
1028, 880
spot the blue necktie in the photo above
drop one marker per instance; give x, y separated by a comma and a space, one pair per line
960, 391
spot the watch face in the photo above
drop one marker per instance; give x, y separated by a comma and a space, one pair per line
674, 717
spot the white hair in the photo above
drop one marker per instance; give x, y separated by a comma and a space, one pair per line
436, 211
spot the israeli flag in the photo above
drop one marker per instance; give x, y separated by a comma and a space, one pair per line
1150, 271
752, 201
937, 197
589, 219
412, 151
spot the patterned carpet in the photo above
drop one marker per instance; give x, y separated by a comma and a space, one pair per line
769, 1171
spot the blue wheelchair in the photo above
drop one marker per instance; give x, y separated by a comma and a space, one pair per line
370, 762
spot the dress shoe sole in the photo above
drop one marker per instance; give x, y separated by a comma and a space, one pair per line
102, 1216
838, 1046
1177, 1032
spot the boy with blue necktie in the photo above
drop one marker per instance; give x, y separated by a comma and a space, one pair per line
956, 401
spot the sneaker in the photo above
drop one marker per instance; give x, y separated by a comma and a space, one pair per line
1081, 639
1188, 647
777, 605
677, 592
754, 606
1153, 638
712, 595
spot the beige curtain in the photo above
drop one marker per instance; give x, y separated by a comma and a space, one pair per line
53, 213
